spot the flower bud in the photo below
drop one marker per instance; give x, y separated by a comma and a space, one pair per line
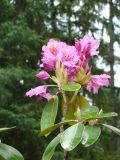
43, 75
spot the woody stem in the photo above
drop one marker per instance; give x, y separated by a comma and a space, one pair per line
63, 118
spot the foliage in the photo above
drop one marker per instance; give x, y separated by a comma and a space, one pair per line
25, 25
8, 152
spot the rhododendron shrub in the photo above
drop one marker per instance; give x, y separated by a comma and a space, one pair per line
71, 73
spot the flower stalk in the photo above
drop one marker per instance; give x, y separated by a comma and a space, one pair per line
63, 118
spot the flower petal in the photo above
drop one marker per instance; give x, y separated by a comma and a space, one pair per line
39, 91
98, 81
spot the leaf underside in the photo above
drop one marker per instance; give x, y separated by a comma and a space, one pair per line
49, 113
9, 153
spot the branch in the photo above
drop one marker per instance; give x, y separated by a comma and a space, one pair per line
63, 118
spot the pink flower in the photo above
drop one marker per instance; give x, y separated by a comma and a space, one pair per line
98, 81
87, 46
43, 75
39, 91
70, 59
52, 53
59, 51
48, 61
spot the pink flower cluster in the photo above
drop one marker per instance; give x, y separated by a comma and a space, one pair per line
73, 59
59, 51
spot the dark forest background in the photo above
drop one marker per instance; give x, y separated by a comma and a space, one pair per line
25, 25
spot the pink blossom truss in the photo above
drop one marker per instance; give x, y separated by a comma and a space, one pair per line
74, 61
39, 91
98, 81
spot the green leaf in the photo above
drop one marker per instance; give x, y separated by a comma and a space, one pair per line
50, 129
51, 148
93, 113
106, 115
116, 130
71, 87
90, 135
49, 113
72, 136
5, 129
89, 112
9, 153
